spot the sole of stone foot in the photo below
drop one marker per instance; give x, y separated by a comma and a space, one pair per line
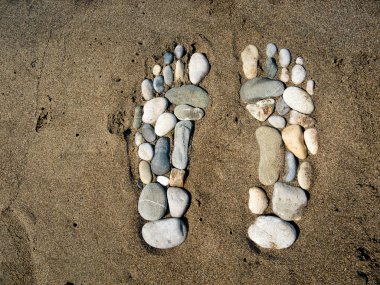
172, 101
281, 100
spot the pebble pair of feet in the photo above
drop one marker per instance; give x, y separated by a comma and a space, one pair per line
175, 101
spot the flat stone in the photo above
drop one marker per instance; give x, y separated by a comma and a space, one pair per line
147, 89
272, 232
152, 203
271, 154
258, 200
164, 234
277, 121
156, 70
179, 201
148, 133
311, 140
145, 172
188, 113
137, 118
284, 57
271, 50
188, 94
163, 180
198, 67
182, 134
139, 139
297, 118
293, 139
290, 170
177, 177
250, 58
165, 123
305, 175
161, 161
281, 107
168, 58
288, 202
179, 51
270, 67
158, 84
260, 88
298, 99
310, 85
298, 74
284, 75
168, 75
179, 73
153, 109
145, 151
262, 109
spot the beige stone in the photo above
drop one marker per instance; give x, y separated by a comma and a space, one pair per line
311, 140
250, 57
305, 175
177, 177
293, 139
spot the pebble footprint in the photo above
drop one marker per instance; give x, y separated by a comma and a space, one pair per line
286, 138
164, 124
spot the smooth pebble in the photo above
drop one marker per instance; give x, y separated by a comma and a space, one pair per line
137, 118
147, 89
249, 58
178, 200
311, 140
158, 84
179, 73
284, 76
310, 87
262, 109
270, 67
156, 70
153, 109
284, 57
161, 161
145, 151
260, 88
297, 118
281, 107
139, 139
168, 75
152, 203
299, 60
290, 170
188, 94
165, 123
189, 113
182, 134
298, 74
293, 138
198, 67
277, 121
305, 175
179, 51
163, 180
168, 58
298, 99
145, 172
258, 200
148, 133
271, 50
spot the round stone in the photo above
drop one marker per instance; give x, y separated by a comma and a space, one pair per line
139, 139
152, 203
166, 233
153, 109
298, 74
271, 50
305, 175
262, 109
148, 133
198, 67
290, 167
284, 57
258, 200
158, 84
156, 70
298, 99
179, 51
189, 113
145, 173
145, 151
277, 121
293, 138
250, 58
178, 200
163, 180
168, 58
165, 123
161, 161
147, 89
168, 75
272, 232
311, 140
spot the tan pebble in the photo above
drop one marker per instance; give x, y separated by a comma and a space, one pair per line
250, 57
258, 200
293, 139
310, 87
284, 76
305, 175
297, 118
311, 140
177, 177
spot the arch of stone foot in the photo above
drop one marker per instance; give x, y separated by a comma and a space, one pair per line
163, 125
282, 101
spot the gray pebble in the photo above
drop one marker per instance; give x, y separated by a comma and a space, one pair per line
179, 51
270, 67
152, 203
178, 200
148, 133
137, 119
182, 134
188, 113
161, 161
290, 167
158, 84
168, 75
281, 107
188, 94
168, 58
260, 88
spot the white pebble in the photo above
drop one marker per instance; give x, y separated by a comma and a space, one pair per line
198, 67
258, 200
311, 140
178, 200
179, 51
277, 121
284, 75
139, 138
299, 60
298, 99
163, 180
179, 73
284, 57
271, 50
165, 123
145, 151
310, 87
147, 89
153, 109
305, 175
298, 74
156, 70
250, 57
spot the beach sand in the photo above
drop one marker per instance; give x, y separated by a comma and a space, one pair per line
70, 79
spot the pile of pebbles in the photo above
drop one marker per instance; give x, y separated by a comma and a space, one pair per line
286, 138
164, 126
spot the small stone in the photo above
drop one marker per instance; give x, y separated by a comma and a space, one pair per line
290, 167
298, 99
145, 151
288, 201
277, 121
298, 74
293, 139
153, 109
182, 134
271, 50
189, 95
168, 75
260, 88
311, 140
165, 123
179, 51
148, 133
297, 118
163, 180
177, 177
152, 203
168, 58
299, 60
188, 113
145, 173
158, 84
139, 138
272, 232
250, 58
310, 85
164, 234
137, 119
271, 154
284, 76
198, 67
161, 161
156, 70
147, 89
178, 200
305, 175
281, 107
179, 74
270, 67
284, 57
262, 109
258, 200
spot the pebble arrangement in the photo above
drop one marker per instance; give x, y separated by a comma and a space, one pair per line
173, 102
293, 127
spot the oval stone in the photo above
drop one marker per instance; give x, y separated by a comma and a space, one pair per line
158, 84
139, 139
147, 89
137, 119
189, 113
145, 173
188, 94
299, 60
270, 67
156, 70
293, 139
153, 109
298, 74
179, 51
277, 121
260, 88
178, 200
284, 57
148, 133
165, 123
198, 67
290, 167
271, 50
168, 58
284, 76
311, 140
152, 203
145, 151
310, 87
179, 74
250, 58
182, 134
161, 161
168, 75
166, 233
163, 180
305, 175
297, 118
272, 232
258, 200
298, 99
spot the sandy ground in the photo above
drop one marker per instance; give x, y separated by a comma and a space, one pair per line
69, 80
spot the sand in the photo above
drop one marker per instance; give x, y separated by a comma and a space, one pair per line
69, 81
